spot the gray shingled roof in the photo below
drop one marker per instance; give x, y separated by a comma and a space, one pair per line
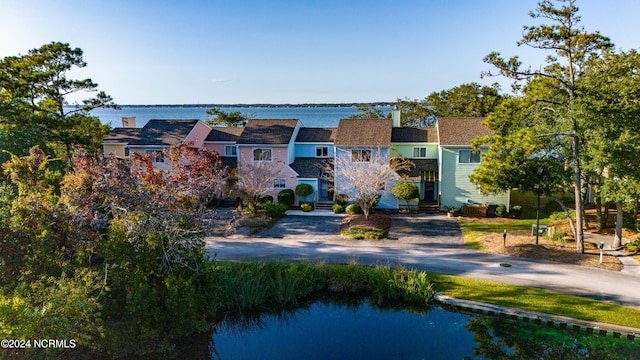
460, 131
121, 135
226, 134
164, 132
418, 166
414, 135
268, 131
309, 167
316, 135
363, 132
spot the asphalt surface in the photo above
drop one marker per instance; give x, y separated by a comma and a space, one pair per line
431, 243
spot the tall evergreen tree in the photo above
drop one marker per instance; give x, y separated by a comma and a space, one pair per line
556, 90
33, 94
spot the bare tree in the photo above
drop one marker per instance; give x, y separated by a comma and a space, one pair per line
255, 180
363, 174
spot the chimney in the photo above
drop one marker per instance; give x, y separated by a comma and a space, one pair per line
395, 116
129, 122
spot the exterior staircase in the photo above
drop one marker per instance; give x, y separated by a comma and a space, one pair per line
429, 207
324, 205
228, 203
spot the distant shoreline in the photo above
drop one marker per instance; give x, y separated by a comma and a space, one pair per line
339, 105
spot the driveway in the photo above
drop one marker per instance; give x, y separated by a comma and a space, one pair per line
425, 229
300, 226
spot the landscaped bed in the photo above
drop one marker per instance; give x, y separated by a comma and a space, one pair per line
357, 227
486, 234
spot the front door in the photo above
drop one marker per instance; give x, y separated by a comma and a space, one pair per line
428, 191
324, 189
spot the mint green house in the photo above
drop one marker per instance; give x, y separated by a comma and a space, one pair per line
458, 161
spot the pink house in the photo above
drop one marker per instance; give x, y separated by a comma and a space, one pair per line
270, 142
223, 141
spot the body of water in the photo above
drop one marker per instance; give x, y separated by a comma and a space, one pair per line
309, 116
339, 330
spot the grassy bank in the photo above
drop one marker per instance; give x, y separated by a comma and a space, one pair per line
246, 286
492, 292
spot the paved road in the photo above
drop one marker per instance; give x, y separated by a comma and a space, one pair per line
441, 252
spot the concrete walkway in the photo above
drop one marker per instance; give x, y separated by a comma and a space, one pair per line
440, 252
630, 264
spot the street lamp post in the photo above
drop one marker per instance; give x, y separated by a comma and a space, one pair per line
538, 208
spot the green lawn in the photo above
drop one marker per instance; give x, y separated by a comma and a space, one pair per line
492, 292
472, 231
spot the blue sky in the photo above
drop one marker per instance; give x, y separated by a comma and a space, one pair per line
298, 51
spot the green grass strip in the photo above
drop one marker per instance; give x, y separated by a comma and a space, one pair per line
545, 301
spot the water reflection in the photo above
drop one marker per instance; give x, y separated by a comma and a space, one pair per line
355, 329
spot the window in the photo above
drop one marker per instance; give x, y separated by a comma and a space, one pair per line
468, 157
260, 154
156, 155
419, 152
322, 151
280, 183
127, 152
360, 155
230, 150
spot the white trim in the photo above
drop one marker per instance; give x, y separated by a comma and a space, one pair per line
293, 171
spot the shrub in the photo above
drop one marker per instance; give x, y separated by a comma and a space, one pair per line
342, 199
501, 210
286, 196
516, 211
557, 235
360, 232
275, 210
633, 246
405, 191
561, 215
306, 207
338, 209
266, 199
304, 190
353, 209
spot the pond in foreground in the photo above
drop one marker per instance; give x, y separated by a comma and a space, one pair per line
358, 330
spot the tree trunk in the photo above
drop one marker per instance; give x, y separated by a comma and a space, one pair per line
605, 217
617, 239
635, 213
599, 210
585, 194
577, 189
